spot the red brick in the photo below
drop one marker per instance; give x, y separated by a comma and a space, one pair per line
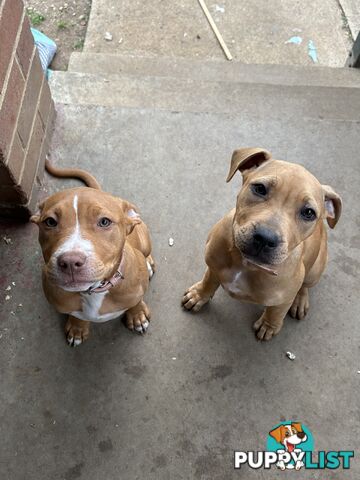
10, 107
16, 158
32, 156
25, 47
32, 90
9, 24
45, 102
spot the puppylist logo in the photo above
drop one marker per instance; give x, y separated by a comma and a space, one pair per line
290, 446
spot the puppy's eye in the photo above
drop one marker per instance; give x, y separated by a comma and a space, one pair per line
50, 222
308, 214
104, 222
287, 434
259, 189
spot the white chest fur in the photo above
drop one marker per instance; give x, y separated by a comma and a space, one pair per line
235, 282
91, 305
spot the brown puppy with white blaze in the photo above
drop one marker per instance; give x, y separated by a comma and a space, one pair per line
272, 247
97, 254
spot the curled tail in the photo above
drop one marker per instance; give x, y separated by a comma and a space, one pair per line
88, 179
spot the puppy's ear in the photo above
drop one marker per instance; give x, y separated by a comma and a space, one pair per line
278, 434
36, 217
246, 159
333, 206
132, 216
297, 426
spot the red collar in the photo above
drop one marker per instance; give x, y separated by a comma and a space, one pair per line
105, 285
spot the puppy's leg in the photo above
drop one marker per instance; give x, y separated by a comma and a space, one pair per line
271, 321
300, 306
76, 331
138, 317
201, 292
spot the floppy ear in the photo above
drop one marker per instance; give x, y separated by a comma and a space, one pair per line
297, 426
247, 158
36, 217
333, 205
278, 433
132, 217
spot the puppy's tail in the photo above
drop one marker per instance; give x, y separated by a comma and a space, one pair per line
88, 179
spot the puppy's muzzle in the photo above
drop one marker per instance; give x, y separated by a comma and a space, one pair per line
72, 263
262, 244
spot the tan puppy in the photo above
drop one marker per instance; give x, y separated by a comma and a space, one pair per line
97, 254
272, 247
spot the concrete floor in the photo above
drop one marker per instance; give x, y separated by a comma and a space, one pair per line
256, 31
175, 403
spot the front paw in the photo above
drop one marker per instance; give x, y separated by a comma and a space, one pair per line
76, 331
265, 330
300, 306
138, 318
194, 298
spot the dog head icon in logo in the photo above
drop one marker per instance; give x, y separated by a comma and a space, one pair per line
290, 439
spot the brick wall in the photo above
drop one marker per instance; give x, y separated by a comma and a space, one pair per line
26, 113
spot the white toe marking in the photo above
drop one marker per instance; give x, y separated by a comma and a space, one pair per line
77, 342
139, 329
150, 270
145, 325
70, 340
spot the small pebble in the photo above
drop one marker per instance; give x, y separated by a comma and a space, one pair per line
7, 297
290, 355
171, 242
7, 289
108, 37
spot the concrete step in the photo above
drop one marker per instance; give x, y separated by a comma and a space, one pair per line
185, 94
213, 70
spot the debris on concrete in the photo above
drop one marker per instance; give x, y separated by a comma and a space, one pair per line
121, 40
312, 51
7, 298
108, 37
20, 305
215, 30
219, 8
173, 358
295, 40
290, 355
8, 288
7, 240
171, 242
13, 284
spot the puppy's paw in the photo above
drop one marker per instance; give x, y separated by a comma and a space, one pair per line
138, 318
194, 298
300, 306
150, 266
76, 331
265, 330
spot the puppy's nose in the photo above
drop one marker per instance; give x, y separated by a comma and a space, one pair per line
71, 261
265, 237
301, 435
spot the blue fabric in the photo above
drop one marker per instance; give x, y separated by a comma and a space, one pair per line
46, 48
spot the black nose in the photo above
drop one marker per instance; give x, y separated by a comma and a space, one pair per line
301, 434
264, 237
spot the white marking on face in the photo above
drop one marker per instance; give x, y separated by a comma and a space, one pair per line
75, 241
91, 305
